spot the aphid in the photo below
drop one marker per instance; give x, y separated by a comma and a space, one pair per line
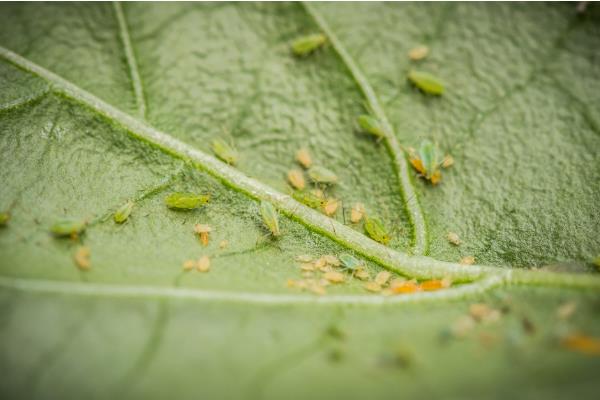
296, 179
435, 284
453, 238
223, 244
307, 44
82, 258
376, 231
189, 265
186, 201
304, 258
334, 277
307, 267
371, 125
418, 53
565, 311
382, 278
321, 263
4, 218
406, 287
330, 206
203, 264
582, 344
68, 227
427, 161
225, 151
270, 217
320, 174
308, 198
317, 289
427, 82
331, 260
304, 159
203, 230
468, 260
396, 282
350, 262
123, 212
373, 287
361, 274
357, 212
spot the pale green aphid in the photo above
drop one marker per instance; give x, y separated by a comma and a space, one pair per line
186, 201
225, 151
68, 227
270, 217
320, 174
350, 262
426, 82
123, 212
308, 198
376, 231
4, 217
371, 125
428, 161
307, 44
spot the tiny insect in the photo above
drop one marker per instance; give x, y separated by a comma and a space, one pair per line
330, 206
304, 159
376, 230
68, 227
123, 212
361, 274
4, 218
382, 278
453, 238
189, 265
331, 260
406, 287
373, 287
323, 175
418, 53
582, 343
307, 44
203, 230
296, 179
350, 262
82, 258
371, 125
427, 82
225, 151
565, 311
270, 218
435, 284
334, 277
203, 264
304, 258
308, 198
186, 201
468, 260
357, 213
427, 161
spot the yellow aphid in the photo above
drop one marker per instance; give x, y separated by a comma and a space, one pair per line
203, 264
406, 287
317, 289
307, 267
361, 274
321, 262
189, 265
418, 53
304, 258
334, 277
468, 260
582, 344
373, 287
223, 244
82, 258
397, 282
357, 212
331, 260
435, 284
448, 161
318, 193
382, 277
303, 157
453, 238
203, 230
566, 310
330, 206
296, 179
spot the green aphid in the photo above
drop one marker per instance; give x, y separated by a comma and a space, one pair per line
307, 44
428, 161
225, 151
308, 198
68, 227
350, 262
4, 218
123, 212
186, 201
320, 174
428, 83
371, 125
376, 231
270, 217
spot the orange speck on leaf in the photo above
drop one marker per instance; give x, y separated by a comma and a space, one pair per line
583, 344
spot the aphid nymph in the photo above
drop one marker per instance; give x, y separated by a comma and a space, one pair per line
376, 230
320, 174
123, 212
68, 227
427, 82
270, 217
371, 125
307, 44
225, 151
186, 201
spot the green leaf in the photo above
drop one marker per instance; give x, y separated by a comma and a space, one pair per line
103, 104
